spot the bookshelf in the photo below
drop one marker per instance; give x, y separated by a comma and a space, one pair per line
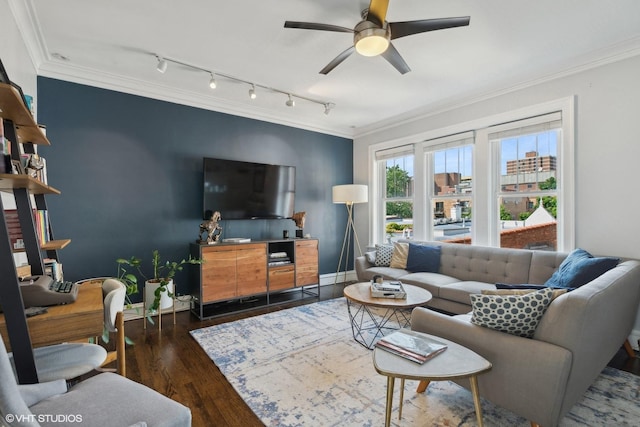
22, 132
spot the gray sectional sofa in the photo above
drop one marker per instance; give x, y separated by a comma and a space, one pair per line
542, 377
468, 269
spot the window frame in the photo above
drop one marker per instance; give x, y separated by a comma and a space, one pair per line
429, 148
379, 188
485, 209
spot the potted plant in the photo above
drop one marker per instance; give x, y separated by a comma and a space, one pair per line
159, 286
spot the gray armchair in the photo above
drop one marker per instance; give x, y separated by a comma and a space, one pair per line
105, 399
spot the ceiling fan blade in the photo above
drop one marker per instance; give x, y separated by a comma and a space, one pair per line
395, 59
402, 29
337, 60
316, 26
378, 11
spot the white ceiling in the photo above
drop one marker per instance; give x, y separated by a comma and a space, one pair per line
508, 44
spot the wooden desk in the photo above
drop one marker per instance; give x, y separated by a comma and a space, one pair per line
79, 320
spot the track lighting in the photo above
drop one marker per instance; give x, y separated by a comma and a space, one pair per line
162, 65
290, 102
328, 107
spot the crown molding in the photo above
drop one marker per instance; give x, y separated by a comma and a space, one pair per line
92, 77
27, 22
624, 50
29, 27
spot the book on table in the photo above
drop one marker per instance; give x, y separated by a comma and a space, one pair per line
388, 290
411, 345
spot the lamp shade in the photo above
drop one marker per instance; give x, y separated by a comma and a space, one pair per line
350, 193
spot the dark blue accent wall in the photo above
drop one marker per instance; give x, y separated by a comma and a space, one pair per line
130, 172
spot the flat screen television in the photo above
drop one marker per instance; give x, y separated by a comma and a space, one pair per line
246, 190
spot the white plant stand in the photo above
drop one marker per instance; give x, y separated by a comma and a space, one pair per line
165, 302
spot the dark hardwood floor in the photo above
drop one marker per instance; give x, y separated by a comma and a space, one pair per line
172, 363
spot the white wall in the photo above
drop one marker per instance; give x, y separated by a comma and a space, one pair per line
607, 151
13, 52
21, 70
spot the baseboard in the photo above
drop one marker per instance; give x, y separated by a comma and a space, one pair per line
183, 302
333, 278
135, 311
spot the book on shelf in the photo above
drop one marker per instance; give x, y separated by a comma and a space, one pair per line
277, 255
53, 269
279, 258
411, 345
14, 229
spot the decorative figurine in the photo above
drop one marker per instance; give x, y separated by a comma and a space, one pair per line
212, 228
299, 218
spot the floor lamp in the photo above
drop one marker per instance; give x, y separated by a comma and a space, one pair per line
349, 195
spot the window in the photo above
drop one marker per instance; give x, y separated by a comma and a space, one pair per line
501, 180
450, 181
397, 181
528, 180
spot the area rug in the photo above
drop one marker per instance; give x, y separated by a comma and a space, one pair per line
301, 367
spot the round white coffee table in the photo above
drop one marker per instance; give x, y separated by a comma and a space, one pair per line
454, 363
367, 325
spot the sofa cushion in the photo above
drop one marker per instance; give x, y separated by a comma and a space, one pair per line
386, 272
556, 292
515, 314
399, 256
432, 282
460, 291
579, 268
423, 258
383, 255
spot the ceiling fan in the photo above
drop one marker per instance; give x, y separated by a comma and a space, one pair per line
372, 36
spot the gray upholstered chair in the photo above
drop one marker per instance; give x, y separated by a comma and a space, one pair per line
104, 399
66, 361
114, 293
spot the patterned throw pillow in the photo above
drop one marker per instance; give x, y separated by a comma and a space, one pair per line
399, 257
383, 255
514, 314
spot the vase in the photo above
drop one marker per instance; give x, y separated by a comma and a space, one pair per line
149, 295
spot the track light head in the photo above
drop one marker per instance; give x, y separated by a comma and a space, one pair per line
163, 62
290, 102
162, 65
328, 107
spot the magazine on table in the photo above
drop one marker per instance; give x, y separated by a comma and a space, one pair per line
411, 345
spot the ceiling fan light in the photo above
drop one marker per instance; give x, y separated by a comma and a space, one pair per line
371, 41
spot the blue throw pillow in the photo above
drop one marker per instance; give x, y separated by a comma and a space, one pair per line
579, 268
423, 258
